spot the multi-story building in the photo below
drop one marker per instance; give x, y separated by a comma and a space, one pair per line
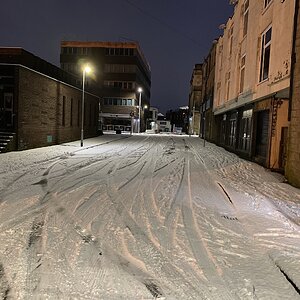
293, 151
208, 130
151, 120
195, 99
179, 119
252, 80
120, 69
40, 104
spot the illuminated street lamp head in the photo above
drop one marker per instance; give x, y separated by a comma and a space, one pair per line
87, 69
140, 89
145, 106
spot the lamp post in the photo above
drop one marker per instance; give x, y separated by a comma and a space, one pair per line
140, 100
145, 116
85, 71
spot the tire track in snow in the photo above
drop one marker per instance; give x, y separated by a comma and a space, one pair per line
34, 255
4, 285
200, 249
140, 235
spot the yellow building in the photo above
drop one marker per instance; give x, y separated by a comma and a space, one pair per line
252, 79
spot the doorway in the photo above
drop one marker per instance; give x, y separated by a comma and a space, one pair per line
262, 136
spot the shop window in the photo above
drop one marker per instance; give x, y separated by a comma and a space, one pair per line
245, 131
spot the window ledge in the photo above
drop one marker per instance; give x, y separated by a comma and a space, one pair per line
263, 81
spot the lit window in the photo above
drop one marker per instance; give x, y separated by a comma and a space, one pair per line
265, 54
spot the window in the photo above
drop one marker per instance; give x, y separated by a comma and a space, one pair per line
117, 68
119, 51
63, 121
245, 130
228, 86
71, 112
246, 17
117, 101
265, 54
242, 73
267, 2
230, 39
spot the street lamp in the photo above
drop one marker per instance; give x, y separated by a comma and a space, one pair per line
145, 117
140, 100
86, 70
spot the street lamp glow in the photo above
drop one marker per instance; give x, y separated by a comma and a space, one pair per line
86, 70
145, 106
140, 100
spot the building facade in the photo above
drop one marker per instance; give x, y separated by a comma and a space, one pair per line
252, 80
195, 97
179, 119
40, 105
207, 120
293, 153
120, 69
151, 120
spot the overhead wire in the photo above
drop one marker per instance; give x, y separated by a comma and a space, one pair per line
170, 27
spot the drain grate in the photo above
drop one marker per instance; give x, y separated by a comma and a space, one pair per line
230, 218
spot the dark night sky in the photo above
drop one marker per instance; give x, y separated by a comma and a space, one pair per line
174, 35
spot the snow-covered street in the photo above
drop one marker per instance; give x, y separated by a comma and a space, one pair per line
145, 217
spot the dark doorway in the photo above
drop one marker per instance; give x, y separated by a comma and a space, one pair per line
262, 136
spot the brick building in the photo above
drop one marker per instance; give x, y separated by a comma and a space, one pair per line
119, 70
40, 104
293, 153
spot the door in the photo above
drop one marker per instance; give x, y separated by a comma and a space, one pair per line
262, 136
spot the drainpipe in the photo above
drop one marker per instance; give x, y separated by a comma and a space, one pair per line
293, 58
273, 101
